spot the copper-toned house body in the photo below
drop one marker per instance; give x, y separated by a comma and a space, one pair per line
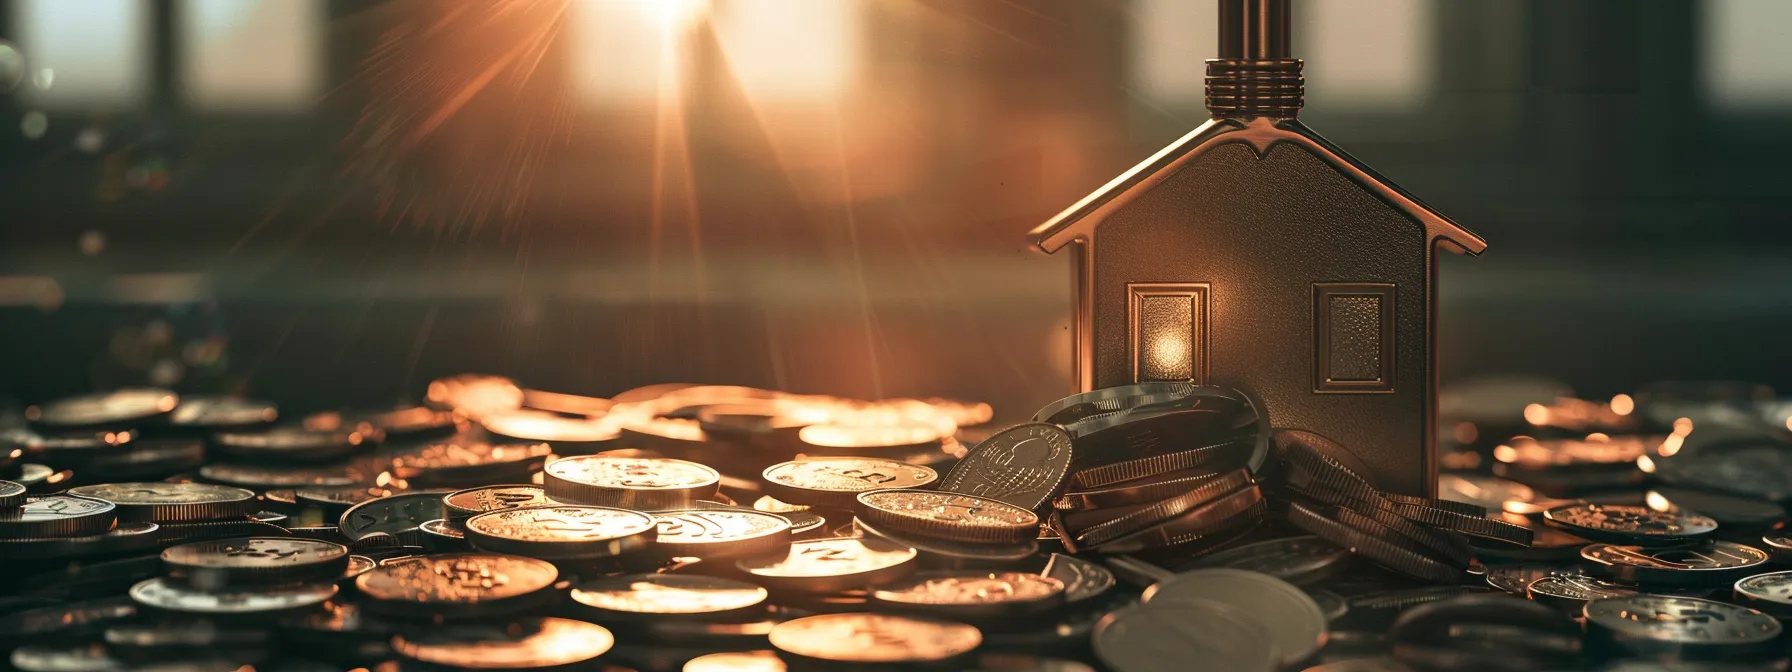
1253, 253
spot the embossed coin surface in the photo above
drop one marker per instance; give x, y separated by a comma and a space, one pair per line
835, 481
12, 495
1572, 593
116, 409
1659, 624
565, 531
629, 482
172, 502
1715, 564
949, 516
473, 501
398, 515
464, 463
668, 594
964, 594
457, 585
57, 516
1629, 524
827, 565
874, 638
168, 595
1022, 465
719, 533
256, 560
528, 644
1770, 593
1082, 579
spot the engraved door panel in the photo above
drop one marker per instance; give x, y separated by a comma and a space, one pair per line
1353, 337
1167, 331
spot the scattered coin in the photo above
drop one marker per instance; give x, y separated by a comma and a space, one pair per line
563, 531
1770, 593
458, 585
972, 596
397, 515
215, 414
1486, 492
12, 495
1297, 560
1656, 625
1083, 580
1732, 513
736, 661
165, 595
721, 533
1514, 579
57, 516
645, 484
457, 464
1022, 465
949, 516
837, 481
828, 565
526, 644
119, 409
1292, 618
858, 638
172, 502
648, 595
1715, 564
291, 445
125, 538
1629, 524
256, 561
1571, 593
472, 501
1172, 637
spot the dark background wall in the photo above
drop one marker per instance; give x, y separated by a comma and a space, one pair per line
452, 197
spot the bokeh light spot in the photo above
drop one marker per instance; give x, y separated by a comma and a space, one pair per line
34, 125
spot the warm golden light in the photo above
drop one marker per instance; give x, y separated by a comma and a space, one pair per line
790, 50
1644, 463
1671, 445
1170, 353
1536, 414
1683, 426
1623, 404
1657, 502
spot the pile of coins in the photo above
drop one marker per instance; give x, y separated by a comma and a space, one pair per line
702, 528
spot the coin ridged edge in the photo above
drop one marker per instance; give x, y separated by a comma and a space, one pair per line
564, 489
950, 531
1370, 547
180, 512
1144, 467
1230, 511
1205, 492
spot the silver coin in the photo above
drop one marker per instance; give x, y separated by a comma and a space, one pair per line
1082, 579
397, 515
1663, 625
1571, 593
1021, 465
1771, 593
1514, 578
1713, 564
1290, 615
166, 595
1174, 637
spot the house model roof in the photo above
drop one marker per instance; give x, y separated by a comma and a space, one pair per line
1080, 220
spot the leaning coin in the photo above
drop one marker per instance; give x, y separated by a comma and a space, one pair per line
1203, 522
1142, 491
1022, 465
949, 516
971, 596
1654, 625
172, 502
166, 595
1093, 528
1571, 593
458, 585
1637, 525
1297, 560
526, 644
836, 481
829, 565
1770, 592
1083, 580
473, 501
118, 409
856, 638
57, 516
1293, 618
12, 495
1371, 541
721, 533
1718, 563
255, 561
125, 538
642, 596
563, 532
398, 515
636, 483
1174, 637
286, 445
1219, 457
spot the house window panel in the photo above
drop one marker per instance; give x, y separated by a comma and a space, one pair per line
1353, 334
1170, 42
95, 52
1747, 58
252, 54
1375, 55
1169, 331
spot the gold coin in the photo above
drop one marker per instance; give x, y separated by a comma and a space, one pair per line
968, 594
874, 638
716, 533
827, 565
669, 594
565, 531
631, 482
528, 644
474, 501
835, 481
457, 584
949, 516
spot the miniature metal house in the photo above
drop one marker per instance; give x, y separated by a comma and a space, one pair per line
1253, 253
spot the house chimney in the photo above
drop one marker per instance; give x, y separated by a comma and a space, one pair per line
1254, 75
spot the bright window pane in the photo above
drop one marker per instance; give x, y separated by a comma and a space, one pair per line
1171, 42
1366, 54
789, 49
623, 49
251, 54
97, 50
1748, 53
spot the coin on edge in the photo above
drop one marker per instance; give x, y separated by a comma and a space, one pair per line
256, 560
527, 644
949, 516
721, 533
836, 481
630, 482
566, 531
1021, 465
172, 502
828, 565
454, 585
873, 638
668, 595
